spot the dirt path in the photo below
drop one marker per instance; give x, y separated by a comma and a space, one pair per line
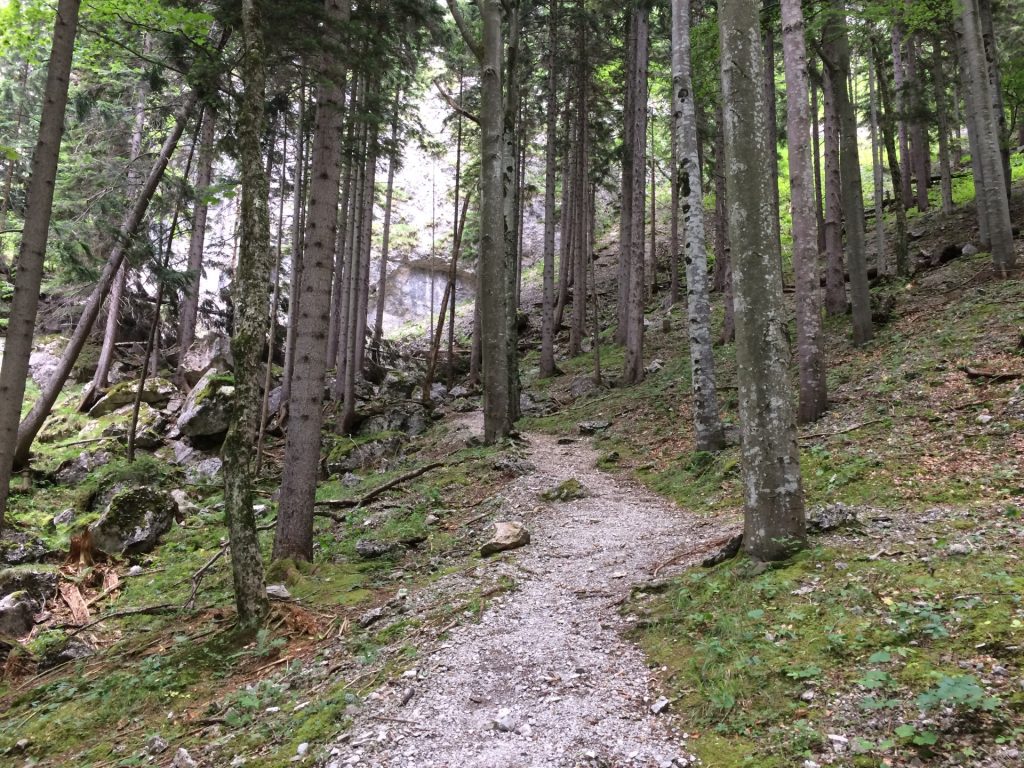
548, 659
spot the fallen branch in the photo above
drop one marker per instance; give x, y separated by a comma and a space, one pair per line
978, 373
350, 503
675, 559
854, 428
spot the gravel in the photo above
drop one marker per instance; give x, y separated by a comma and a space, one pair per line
546, 677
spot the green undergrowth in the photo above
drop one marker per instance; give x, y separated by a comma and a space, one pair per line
756, 665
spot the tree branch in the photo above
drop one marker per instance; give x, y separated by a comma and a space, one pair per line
455, 104
472, 43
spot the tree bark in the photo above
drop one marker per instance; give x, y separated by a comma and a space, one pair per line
774, 524
32, 251
881, 261
189, 306
249, 290
382, 276
810, 341
626, 190
991, 56
838, 48
835, 286
942, 117
888, 123
819, 211
723, 257
919, 148
900, 104
294, 535
547, 344
993, 187
709, 435
633, 370
298, 207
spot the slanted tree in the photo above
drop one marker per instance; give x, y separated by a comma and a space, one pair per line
32, 251
774, 523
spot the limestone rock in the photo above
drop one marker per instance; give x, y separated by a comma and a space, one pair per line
210, 353
18, 548
507, 535
75, 470
593, 427
206, 411
155, 392
408, 417
38, 583
134, 521
372, 548
43, 362
568, 490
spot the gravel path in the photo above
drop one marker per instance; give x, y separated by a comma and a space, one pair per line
545, 678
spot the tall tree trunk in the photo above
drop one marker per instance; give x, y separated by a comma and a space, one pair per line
993, 187
881, 262
626, 191
547, 344
382, 275
919, 149
942, 117
673, 230
774, 524
973, 131
723, 257
819, 209
188, 309
888, 126
294, 535
995, 85
345, 205
32, 251
511, 78
709, 435
768, 78
900, 104
835, 286
250, 300
33, 421
455, 231
838, 48
295, 279
810, 342
653, 263
633, 370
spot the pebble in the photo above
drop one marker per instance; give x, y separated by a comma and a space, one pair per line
135, 570
278, 592
302, 749
959, 549
503, 720
659, 706
182, 759
155, 745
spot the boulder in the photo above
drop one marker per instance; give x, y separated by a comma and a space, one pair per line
43, 362
18, 548
37, 584
134, 521
350, 457
205, 470
206, 411
398, 384
568, 490
373, 548
830, 517
155, 392
407, 416
507, 535
210, 353
74, 471
16, 615
73, 650
593, 427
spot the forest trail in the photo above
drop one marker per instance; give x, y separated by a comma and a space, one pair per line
548, 659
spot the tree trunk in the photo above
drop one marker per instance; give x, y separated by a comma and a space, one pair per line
835, 286
919, 148
709, 435
33, 421
888, 124
633, 370
249, 289
942, 116
774, 523
32, 251
626, 191
810, 342
294, 535
991, 56
382, 275
849, 159
455, 231
547, 344
819, 211
673, 236
346, 198
189, 307
723, 257
768, 78
973, 130
511, 77
881, 261
900, 104
298, 176
993, 187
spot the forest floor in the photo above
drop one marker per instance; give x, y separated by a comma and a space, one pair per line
896, 639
